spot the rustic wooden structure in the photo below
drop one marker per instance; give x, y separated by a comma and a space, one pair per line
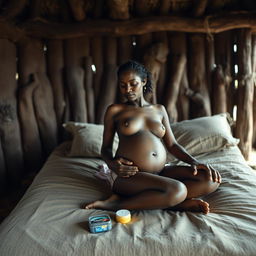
58, 62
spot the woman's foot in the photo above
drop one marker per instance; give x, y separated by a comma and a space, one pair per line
108, 204
193, 205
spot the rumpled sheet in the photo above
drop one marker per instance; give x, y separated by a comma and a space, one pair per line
50, 219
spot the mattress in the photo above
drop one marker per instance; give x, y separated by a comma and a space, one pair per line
50, 219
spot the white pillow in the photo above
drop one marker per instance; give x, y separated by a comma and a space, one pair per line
197, 136
204, 134
87, 139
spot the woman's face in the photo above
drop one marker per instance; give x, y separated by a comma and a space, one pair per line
131, 85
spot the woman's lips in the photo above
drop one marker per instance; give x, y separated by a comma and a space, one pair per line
130, 95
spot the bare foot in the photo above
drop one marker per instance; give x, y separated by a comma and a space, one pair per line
108, 204
193, 205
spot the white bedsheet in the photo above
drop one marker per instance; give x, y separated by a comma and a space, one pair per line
50, 219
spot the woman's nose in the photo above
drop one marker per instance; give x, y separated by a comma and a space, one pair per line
128, 88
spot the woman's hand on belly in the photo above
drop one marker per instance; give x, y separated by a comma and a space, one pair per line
144, 149
123, 167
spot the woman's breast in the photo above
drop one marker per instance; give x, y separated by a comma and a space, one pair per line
132, 125
144, 149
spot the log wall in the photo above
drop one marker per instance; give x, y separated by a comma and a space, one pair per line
44, 83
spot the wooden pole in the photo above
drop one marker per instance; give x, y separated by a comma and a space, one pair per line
97, 59
33, 63
142, 43
254, 83
200, 101
88, 85
125, 53
244, 123
3, 173
29, 54
178, 61
219, 95
161, 37
199, 7
125, 49
78, 10
118, 10
32, 148
10, 137
74, 72
209, 61
183, 100
153, 59
44, 112
108, 88
55, 70
223, 51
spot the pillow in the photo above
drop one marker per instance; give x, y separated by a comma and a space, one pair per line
87, 139
204, 134
197, 136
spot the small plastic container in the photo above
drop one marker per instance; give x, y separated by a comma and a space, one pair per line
123, 216
100, 223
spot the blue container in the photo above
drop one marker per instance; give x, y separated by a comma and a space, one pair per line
100, 223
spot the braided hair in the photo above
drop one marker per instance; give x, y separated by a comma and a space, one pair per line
140, 70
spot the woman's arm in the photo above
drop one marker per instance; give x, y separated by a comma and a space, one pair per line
122, 167
108, 135
180, 152
171, 144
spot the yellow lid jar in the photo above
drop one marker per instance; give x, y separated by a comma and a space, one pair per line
123, 216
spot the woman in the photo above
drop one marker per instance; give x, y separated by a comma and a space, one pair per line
142, 180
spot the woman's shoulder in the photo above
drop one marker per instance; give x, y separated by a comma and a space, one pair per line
160, 107
114, 109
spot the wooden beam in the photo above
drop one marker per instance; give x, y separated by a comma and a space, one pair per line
137, 26
10, 31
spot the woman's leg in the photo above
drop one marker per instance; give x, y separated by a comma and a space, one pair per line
197, 185
143, 191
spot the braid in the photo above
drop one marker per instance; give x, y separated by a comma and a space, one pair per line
141, 70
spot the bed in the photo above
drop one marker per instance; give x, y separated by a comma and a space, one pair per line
50, 219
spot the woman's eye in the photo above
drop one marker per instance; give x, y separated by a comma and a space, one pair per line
134, 84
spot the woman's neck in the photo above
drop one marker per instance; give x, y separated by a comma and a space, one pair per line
141, 102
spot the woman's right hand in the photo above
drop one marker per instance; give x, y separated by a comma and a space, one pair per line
123, 167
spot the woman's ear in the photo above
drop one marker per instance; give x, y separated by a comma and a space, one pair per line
144, 82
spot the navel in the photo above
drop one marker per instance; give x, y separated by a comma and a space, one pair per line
154, 154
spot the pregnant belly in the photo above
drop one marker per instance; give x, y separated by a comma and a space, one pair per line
144, 149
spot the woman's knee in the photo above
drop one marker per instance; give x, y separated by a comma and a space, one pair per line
176, 193
210, 186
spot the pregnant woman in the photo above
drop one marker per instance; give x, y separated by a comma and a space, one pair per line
141, 179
